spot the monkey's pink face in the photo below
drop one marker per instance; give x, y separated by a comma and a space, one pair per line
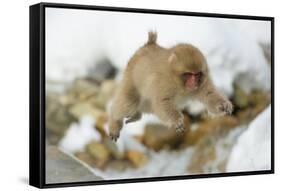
192, 80
189, 64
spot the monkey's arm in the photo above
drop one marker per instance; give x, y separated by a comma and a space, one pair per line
163, 105
168, 113
215, 101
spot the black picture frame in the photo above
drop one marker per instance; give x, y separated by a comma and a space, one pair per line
37, 94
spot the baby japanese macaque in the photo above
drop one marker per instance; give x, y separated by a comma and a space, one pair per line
161, 80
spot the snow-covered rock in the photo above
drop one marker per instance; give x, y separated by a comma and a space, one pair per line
252, 151
78, 135
163, 163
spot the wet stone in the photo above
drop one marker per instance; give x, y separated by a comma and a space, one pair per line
62, 168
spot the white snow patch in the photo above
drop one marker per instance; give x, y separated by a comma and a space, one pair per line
127, 142
253, 149
79, 134
137, 128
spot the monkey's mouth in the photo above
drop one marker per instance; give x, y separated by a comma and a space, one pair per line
192, 80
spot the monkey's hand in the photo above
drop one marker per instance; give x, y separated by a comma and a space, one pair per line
223, 107
167, 112
178, 124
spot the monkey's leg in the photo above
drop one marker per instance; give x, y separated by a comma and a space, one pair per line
167, 112
114, 129
124, 105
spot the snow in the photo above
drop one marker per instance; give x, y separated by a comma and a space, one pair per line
173, 163
253, 149
127, 142
163, 163
137, 128
223, 148
79, 134
77, 39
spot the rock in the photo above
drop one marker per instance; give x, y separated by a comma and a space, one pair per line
113, 149
52, 138
222, 165
258, 101
215, 127
100, 122
243, 99
85, 157
102, 70
62, 168
106, 93
248, 114
107, 87
204, 152
83, 89
99, 153
119, 165
83, 108
137, 158
66, 99
260, 97
58, 118
157, 136
209, 138
139, 138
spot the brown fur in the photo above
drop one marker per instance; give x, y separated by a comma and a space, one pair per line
152, 83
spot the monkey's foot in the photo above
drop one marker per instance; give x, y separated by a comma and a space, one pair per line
115, 127
113, 136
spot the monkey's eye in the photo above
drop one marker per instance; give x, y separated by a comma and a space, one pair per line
199, 74
189, 74
186, 75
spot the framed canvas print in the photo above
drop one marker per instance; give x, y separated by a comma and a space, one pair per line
123, 95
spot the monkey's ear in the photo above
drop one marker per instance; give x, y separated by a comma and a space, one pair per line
172, 58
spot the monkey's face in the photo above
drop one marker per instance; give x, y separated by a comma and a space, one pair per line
189, 66
192, 80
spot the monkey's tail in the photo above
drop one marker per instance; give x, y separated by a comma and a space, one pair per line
152, 37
